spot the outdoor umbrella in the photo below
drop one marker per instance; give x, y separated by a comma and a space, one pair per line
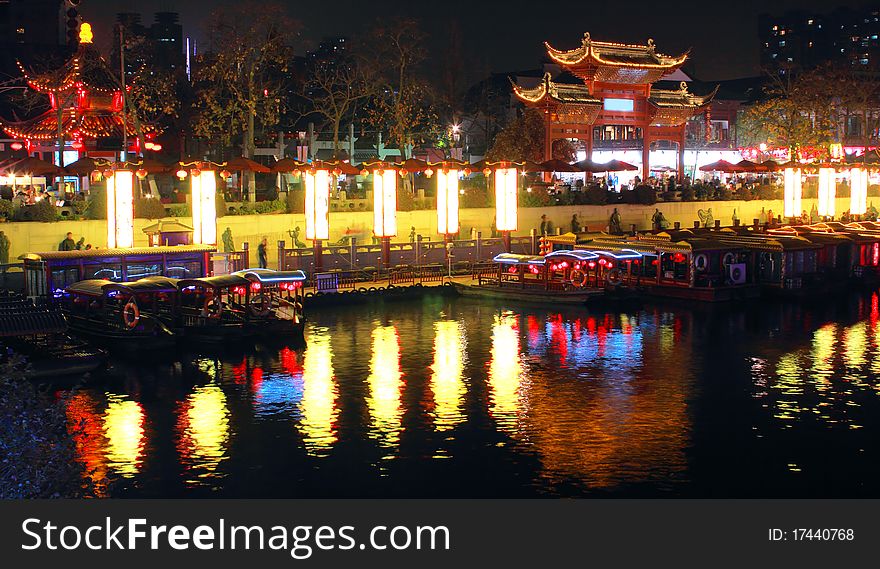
413, 165
620, 166
767, 166
557, 165
589, 166
531, 167
149, 165
242, 164
343, 167
85, 166
34, 167
745, 166
288, 165
719, 166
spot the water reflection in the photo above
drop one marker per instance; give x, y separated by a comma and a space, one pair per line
447, 383
385, 383
124, 431
319, 395
507, 385
203, 433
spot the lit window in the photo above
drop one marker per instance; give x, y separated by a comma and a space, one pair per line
810, 44
20, 31
782, 43
620, 105
809, 22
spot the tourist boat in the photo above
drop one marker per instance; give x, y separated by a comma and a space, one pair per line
275, 302
130, 315
534, 278
40, 335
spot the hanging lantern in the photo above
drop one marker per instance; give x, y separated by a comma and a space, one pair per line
225, 174
429, 172
95, 176
365, 172
108, 173
506, 182
196, 172
468, 171
296, 174
487, 172
317, 206
181, 173
827, 191
403, 172
337, 172
149, 145
447, 202
141, 173
384, 203
16, 146
157, 147
793, 192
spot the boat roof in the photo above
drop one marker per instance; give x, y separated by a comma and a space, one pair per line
219, 281
515, 259
118, 252
98, 287
697, 244
271, 275
28, 319
91, 287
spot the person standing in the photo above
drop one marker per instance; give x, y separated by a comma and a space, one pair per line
4, 248
68, 244
575, 224
262, 253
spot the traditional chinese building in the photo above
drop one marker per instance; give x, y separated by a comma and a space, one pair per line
85, 107
616, 90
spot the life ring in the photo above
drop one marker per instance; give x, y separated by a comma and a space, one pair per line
578, 278
213, 307
613, 277
260, 306
736, 274
131, 314
729, 258
701, 262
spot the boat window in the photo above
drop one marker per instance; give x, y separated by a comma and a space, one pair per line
140, 270
65, 276
183, 268
108, 271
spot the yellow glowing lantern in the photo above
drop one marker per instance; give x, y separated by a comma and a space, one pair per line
141, 173
85, 33
120, 209
204, 209
858, 200
793, 192
827, 191
181, 173
505, 199
384, 203
317, 205
447, 201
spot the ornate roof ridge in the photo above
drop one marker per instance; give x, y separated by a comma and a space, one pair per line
591, 48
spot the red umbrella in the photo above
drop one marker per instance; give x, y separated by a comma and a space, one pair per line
150, 165
288, 165
413, 165
34, 167
590, 166
557, 165
242, 164
719, 166
746, 166
85, 166
619, 166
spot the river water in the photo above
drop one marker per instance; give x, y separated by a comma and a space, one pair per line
446, 397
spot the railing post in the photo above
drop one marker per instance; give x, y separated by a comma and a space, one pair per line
281, 255
418, 250
246, 253
353, 253
533, 239
479, 245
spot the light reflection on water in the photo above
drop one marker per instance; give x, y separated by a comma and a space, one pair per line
451, 397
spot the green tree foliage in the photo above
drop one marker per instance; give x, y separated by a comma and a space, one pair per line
522, 139
149, 208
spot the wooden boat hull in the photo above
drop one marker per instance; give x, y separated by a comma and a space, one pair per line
524, 295
717, 294
148, 335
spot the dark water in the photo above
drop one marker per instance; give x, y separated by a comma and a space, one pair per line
449, 397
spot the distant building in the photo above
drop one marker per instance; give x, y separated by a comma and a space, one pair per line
164, 38
801, 40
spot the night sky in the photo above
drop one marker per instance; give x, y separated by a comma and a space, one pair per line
508, 36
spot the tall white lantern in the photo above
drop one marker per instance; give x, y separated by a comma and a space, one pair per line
384, 203
506, 181
858, 196
827, 191
120, 209
204, 208
447, 202
793, 192
317, 205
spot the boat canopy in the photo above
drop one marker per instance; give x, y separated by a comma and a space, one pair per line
217, 282
514, 259
148, 284
90, 287
103, 253
271, 276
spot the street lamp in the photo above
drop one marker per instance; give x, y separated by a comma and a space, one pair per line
120, 208
506, 180
204, 209
317, 210
827, 192
793, 192
385, 209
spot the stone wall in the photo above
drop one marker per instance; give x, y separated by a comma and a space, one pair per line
34, 236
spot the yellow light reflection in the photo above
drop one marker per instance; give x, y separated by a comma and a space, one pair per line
447, 384
319, 394
385, 384
124, 432
204, 429
505, 372
855, 343
824, 343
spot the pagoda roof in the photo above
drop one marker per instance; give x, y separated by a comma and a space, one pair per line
87, 68
616, 62
550, 91
90, 124
675, 107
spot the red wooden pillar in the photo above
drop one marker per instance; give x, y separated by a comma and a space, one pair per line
386, 252
646, 153
681, 147
319, 256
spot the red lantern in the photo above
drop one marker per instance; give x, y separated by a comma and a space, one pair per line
429, 172
196, 172
403, 172
365, 172
108, 173
592, 264
467, 171
337, 172
157, 147
16, 146
141, 173
225, 174
76, 144
487, 172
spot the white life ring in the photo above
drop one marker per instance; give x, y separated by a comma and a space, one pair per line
260, 305
614, 277
701, 262
729, 258
578, 278
131, 314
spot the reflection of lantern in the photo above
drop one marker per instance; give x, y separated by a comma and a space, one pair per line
204, 209
317, 204
827, 191
384, 203
120, 210
858, 201
447, 201
505, 199
792, 192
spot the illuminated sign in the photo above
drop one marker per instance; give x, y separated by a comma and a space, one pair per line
317, 205
120, 209
858, 200
619, 105
793, 192
827, 191
505, 199
204, 209
384, 203
447, 202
